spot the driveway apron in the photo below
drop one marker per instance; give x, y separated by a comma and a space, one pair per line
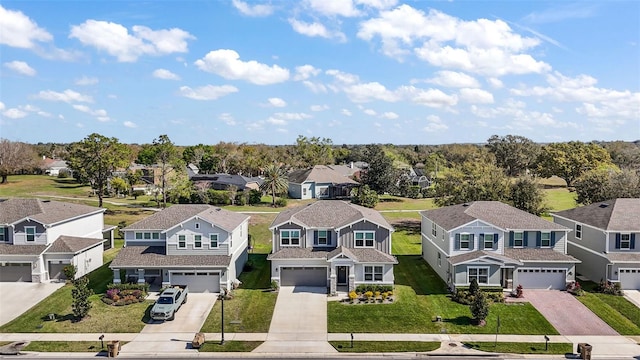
18, 297
299, 322
633, 296
568, 315
176, 335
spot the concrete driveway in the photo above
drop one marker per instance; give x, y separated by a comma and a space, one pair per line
633, 296
18, 297
299, 322
566, 313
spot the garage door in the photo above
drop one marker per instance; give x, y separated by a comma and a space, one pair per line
542, 278
630, 278
198, 282
15, 272
55, 271
312, 276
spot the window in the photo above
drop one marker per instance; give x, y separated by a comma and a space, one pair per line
439, 260
434, 229
364, 238
323, 237
465, 241
625, 241
481, 274
304, 191
545, 239
2, 234
518, 239
213, 240
197, 241
197, 225
578, 231
155, 236
182, 241
31, 233
373, 273
147, 236
290, 237
487, 240
138, 236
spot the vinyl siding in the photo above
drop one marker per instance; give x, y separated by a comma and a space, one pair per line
382, 236
20, 236
476, 228
189, 230
461, 278
276, 237
87, 226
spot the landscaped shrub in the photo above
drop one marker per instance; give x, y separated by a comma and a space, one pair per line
218, 197
255, 197
474, 287
281, 202
362, 288
465, 297
495, 297
414, 192
519, 291
69, 271
428, 192
352, 296
368, 295
125, 294
609, 288
479, 308
64, 173
575, 288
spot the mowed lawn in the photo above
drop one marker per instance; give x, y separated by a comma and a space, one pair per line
421, 296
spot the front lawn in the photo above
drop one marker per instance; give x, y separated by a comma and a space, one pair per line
522, 348
229, 346
385, 346
67, 346
618, 312
421, 296
252, 306
406, 237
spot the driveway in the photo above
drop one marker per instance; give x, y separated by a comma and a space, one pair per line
568, 315
299, 322
18, 297
633, 296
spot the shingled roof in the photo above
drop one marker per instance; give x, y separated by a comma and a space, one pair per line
359, 255
156, 257
46, 212
72, 244
332, 214
495, 213
176, 214
10, 249
319, 174
613, 215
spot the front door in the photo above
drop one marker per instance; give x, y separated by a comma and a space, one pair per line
507, 278
342, 275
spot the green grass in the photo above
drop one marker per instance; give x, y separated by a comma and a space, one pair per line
421, 296
559, 199
252, 307
229, 346
385, 346
616, 311
388, 202
67, 346
34, 185
259, 232
522, 348
406, 240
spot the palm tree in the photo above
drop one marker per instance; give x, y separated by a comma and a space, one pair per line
275, 181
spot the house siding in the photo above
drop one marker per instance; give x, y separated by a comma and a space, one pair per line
442, 245
614, 238
592, 266
88, 226
592, 238
476, 228
461, 278
387, 274
291, 226
382, 236
188, 229
430, 255
20, 236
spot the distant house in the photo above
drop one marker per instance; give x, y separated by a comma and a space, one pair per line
201, 246
52, 167
224, 181
319, 182
351, 170
38, 238
605, 237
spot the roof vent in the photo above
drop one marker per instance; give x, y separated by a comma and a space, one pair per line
465, 204
604, 205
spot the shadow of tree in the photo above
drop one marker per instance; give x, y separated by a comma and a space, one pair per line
460, 320
410, 226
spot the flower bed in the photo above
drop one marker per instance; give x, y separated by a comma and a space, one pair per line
370, 297
125, 294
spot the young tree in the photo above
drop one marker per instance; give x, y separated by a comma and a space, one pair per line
474, 287
380, 175
479, 307
570, 160
15, 156
164, 153
365, 197
526, 195
95, 158
513, 153
80, 294
275, 182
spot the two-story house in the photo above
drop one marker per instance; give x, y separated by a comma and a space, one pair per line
605, 237
38, 238
201, 246
319, 182
496, 244
333, 244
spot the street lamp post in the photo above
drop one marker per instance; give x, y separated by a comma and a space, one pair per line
222, 293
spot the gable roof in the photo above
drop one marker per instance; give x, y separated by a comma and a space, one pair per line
11, 249
319, 174
156, 257
72, 244
333, 214
495, 213
46, 212
177, 214
358, 255
614, 215
227, 179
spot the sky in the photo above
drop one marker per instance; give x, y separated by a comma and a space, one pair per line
353, 71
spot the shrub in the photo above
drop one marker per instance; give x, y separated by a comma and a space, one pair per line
362, 288
575, 288
242, 198
368, 295
519, 291
255, 197
352, 296
610, 288
414, 192
428, 192
496, 297
130, 286
137, 193
274, 285
281, 202
479, 307
64, 173
474, 287
69, 271
218, 197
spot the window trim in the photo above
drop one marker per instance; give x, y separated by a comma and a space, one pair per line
3, 232
477, 276
521, 233
434, 229
183, 241
364, 239
291, 237
373, 273
542, 239
327, 242
485, 241
468, 241
579, 230
195, 241
627, 241
26, 233
439, 259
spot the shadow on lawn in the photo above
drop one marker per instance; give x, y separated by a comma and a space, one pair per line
411, 227
460, 320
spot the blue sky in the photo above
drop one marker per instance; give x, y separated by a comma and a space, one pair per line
354, 71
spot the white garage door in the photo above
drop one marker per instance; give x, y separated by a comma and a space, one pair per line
15, 272
630, 278
542, 278
310, 276
198, 282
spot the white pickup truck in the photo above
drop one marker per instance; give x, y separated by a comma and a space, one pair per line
168, 303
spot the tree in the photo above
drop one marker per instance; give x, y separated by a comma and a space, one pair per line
164, 153
526, 195
380, 175
95, 158
365, 197
80, 295
472, 181
479, 307
275, 182
15, 156
313, 151
119, 185
515, 154
570, 160
133, 177
474, 287
600, 185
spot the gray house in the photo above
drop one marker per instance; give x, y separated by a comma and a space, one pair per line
38, 238
201, 246
605, 237
319, 182
331, 243
496, 244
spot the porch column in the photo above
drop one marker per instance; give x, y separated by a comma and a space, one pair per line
333, 281
352, 278
141, 276
116, 276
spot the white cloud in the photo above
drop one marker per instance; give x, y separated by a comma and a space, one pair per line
360, 93
20, 67
257, 10
315, 87
228, 119
390, 115
281, 119
434, 98
378, 4
454, 79
315, 29
100, 114
495, 82
165, 74
370, 112
85, 80
15, 113
68, 96
130, 124
317, 108
344, 8
34, 109
346, 112
116, 40
18, 30
209, 92
562, 12
476, 96
304, 72
227, 64
2, 106
277, 102
434, 124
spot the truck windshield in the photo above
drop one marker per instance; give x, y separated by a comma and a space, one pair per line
165, 300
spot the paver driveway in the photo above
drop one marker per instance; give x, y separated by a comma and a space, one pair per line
568, 315
18, 297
